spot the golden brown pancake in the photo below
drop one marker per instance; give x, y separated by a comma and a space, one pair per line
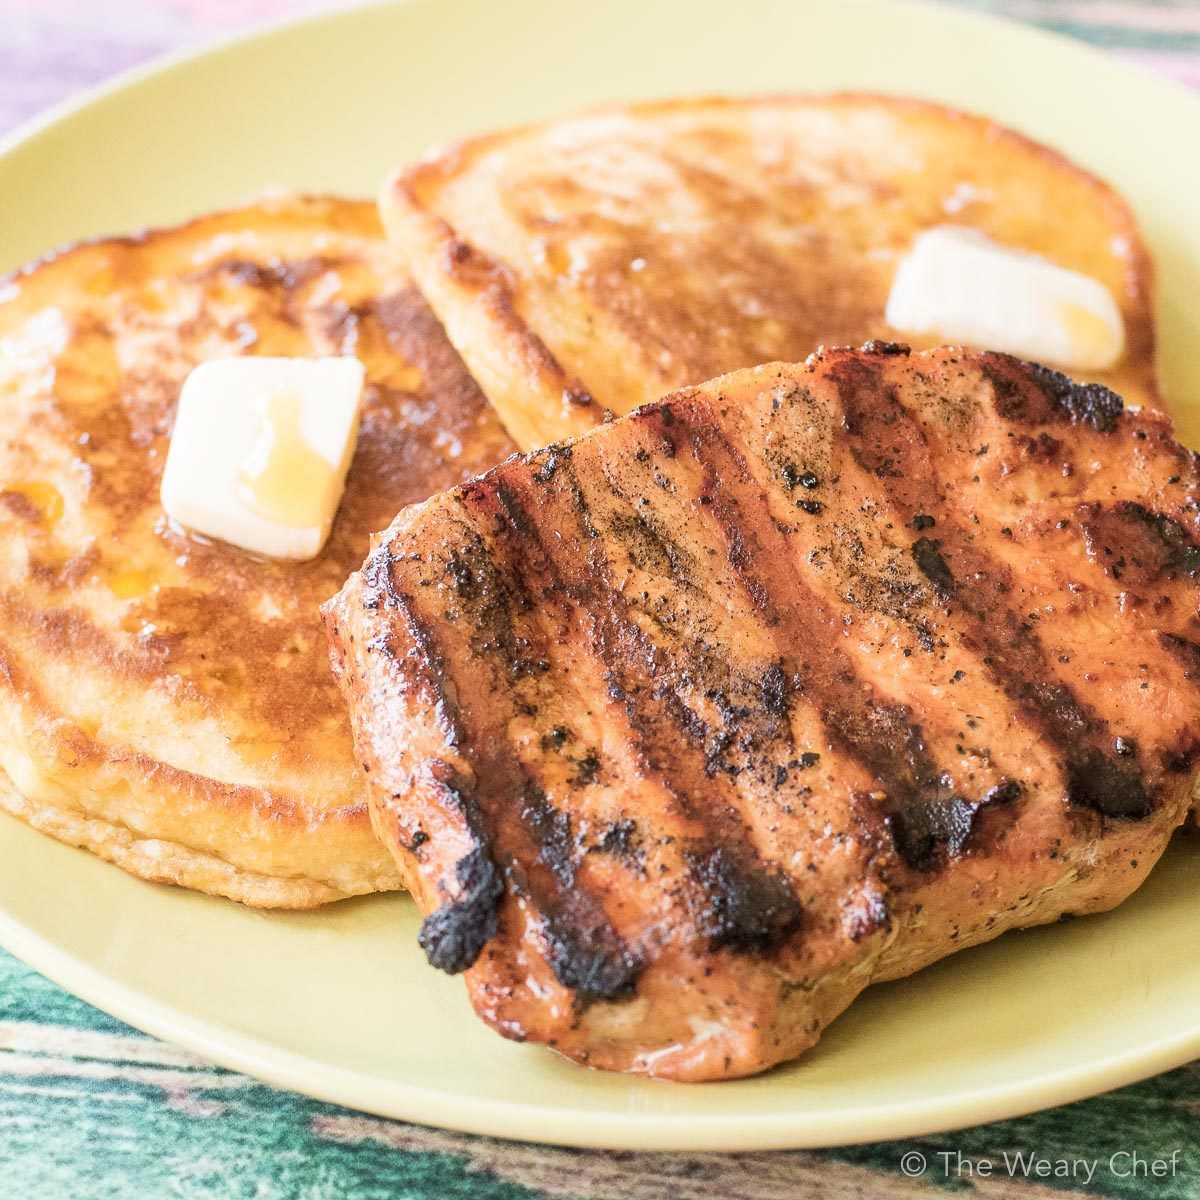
594, 262
166, 701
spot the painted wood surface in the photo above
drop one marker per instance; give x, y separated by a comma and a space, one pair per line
92, 1110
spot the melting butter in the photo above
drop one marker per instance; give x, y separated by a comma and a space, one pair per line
131, 583
957, 285
260, 451
283, 479
1089, 333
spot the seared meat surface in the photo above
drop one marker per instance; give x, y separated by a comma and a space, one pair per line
685, 732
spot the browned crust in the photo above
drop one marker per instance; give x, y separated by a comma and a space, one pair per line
474, 295
337, 212
284, 823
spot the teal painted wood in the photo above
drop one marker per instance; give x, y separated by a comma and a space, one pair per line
92, 1110
1116, 24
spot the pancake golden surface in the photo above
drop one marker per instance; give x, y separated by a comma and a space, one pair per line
595, 262
166, 701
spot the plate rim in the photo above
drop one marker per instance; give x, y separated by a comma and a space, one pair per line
205, 47
211, 45
516, 1120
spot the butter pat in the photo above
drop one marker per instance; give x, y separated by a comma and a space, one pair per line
260, 450
959, 286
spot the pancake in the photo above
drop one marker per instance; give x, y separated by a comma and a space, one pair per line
166, 701
593, 263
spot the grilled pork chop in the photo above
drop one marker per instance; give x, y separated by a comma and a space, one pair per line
685, 732
596, 261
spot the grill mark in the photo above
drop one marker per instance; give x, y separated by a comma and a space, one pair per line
585, 951
1138, 545
668, 559
1058, 398
1185, 652
748, 904
454, 935
925, 818
586, 954
650, 547
1011, 651
379, 588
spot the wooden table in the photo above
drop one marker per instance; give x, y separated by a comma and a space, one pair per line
90, 1109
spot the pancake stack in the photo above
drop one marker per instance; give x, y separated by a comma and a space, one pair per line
166, 700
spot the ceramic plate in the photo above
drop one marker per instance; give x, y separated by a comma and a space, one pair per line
340, 1003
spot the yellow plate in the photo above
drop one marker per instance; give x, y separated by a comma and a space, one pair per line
340, 1003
